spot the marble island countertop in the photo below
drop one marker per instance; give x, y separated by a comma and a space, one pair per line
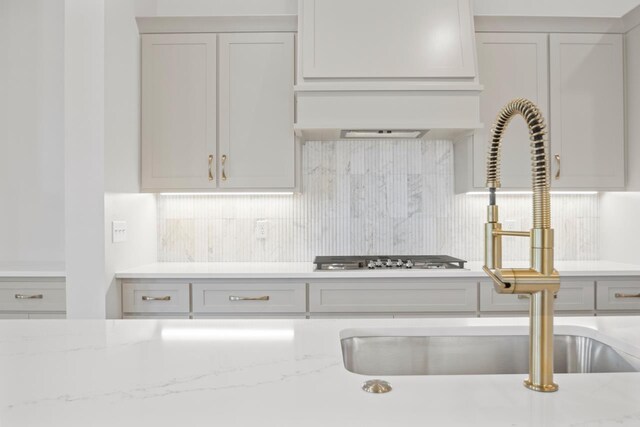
305, 270
283, 373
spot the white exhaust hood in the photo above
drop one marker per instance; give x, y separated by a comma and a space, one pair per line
372, 69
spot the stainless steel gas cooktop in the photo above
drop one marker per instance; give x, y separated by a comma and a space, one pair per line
387, 262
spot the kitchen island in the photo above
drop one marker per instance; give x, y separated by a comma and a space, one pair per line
284, 373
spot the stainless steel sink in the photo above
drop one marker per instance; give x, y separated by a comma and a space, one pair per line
469, 355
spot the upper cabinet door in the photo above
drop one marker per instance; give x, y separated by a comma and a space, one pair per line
587, 111
256, 110
178, 111
510, 66
387, 39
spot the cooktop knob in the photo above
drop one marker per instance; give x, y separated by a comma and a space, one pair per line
399, 263
408, 264
389, 263
378, 262
371, 264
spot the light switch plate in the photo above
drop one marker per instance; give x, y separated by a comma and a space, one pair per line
119, 231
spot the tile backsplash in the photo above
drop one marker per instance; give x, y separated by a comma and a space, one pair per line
364, 197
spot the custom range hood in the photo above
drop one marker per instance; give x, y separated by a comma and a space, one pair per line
371, 69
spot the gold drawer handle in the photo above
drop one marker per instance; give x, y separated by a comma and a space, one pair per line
557, 156
22, 296
619, 295
165, 298
224, 174
263, 298
210, 167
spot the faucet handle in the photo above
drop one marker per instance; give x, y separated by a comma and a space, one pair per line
501, 286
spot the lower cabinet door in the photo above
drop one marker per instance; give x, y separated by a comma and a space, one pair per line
248, 297
574, 295
145, 298
33, 296
618, 294
393, 296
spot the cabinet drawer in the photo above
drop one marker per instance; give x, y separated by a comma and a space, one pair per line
32, 296
441, 296
573, 296
249, 298
155, 297
618, 295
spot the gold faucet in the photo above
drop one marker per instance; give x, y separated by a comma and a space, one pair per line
540, 281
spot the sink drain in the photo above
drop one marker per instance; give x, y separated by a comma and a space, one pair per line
376, 386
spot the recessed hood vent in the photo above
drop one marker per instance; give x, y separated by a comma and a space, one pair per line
360, 81
382, 134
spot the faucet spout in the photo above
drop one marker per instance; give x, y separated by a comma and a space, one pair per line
541, 281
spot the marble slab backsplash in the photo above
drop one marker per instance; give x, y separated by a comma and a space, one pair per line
364, 197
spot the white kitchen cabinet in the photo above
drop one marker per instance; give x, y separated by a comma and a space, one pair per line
32, 298
577, 83
248, 297
256, 110
155, 297
383, 296
587, 111
178, 127
574, 296
509, 66
618, 294
387, 39
218, 112
377, 297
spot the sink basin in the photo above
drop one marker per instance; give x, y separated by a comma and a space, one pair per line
470, 355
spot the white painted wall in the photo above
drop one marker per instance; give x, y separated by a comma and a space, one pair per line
122, 202
226, 7
139, 211
32, 131
84, 157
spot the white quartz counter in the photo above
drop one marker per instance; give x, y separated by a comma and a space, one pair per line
305, 270
283, 373
25, 270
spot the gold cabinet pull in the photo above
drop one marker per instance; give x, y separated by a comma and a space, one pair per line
619, 295
557, 156
165, 298
22, 296
210, 167
235, 298
224, 160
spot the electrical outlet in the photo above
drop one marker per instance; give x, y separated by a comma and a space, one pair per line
510, 224
119, 231
261, 228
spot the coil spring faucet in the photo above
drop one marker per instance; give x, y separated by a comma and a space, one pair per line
540, 281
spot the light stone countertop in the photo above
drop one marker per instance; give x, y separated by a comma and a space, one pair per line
283, 373
305, 270
26, 270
